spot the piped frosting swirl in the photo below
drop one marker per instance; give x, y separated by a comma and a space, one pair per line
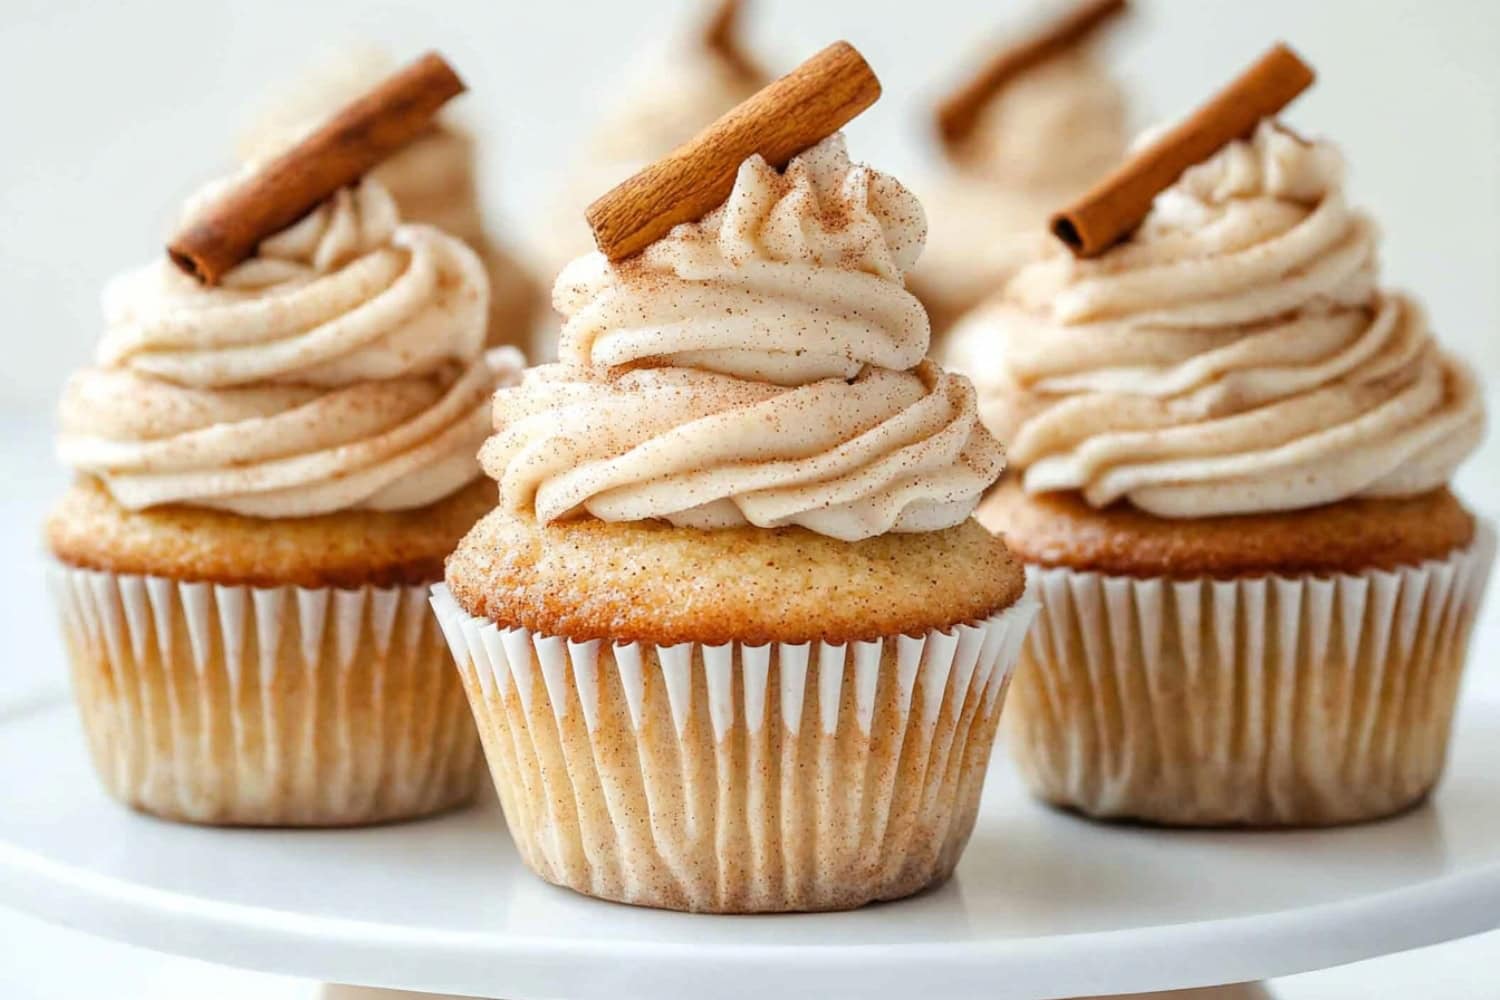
763, 365
341, 367
1236, 355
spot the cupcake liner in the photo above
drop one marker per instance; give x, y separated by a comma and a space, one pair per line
1304, 700
738, 778
266, 706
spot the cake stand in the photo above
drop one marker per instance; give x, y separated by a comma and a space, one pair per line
1044, 904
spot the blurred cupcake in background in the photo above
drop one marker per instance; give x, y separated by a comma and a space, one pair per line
1030, 129
272, 462
670, 93
1233, 446
433, 179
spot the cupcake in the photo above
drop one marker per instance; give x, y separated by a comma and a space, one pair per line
1043, 121
270, 471
432, 179
732, 639
670, 93
1231, 447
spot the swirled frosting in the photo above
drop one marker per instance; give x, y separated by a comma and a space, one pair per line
1237, 354
764, 365
1039, 142
341, 367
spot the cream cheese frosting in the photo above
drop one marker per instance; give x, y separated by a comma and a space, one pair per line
1041, 141
765, 365
341, 367
1237, 354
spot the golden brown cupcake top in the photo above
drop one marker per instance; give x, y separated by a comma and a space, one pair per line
1061, 529
1235, 355
350, 548
650, 582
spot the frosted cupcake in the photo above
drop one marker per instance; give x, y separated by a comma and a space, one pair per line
1232, 447
1039, 124
432, 179
732, 639
670, 93
270, 472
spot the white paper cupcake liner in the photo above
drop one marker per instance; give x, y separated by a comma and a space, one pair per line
1304, 700
738, 778
266, 706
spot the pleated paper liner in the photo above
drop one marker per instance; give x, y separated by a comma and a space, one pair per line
1268, 701
738, 778
280, 706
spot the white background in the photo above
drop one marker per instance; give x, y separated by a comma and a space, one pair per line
112, 111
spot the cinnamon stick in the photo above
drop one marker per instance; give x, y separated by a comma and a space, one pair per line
787, 116
957, 114
336, 154
1116, 205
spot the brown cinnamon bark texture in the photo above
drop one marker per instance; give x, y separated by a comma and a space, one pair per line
338, 153
1110, 210
957, 114
790, 114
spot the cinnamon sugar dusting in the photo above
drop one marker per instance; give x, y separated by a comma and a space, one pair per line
762, 365
1236, 355
342, 367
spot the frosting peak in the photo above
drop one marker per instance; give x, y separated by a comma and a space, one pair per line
342, 366
354, 222
1235, 355
763, 365
796, 277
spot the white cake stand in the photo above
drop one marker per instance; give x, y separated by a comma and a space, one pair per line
1043, 905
